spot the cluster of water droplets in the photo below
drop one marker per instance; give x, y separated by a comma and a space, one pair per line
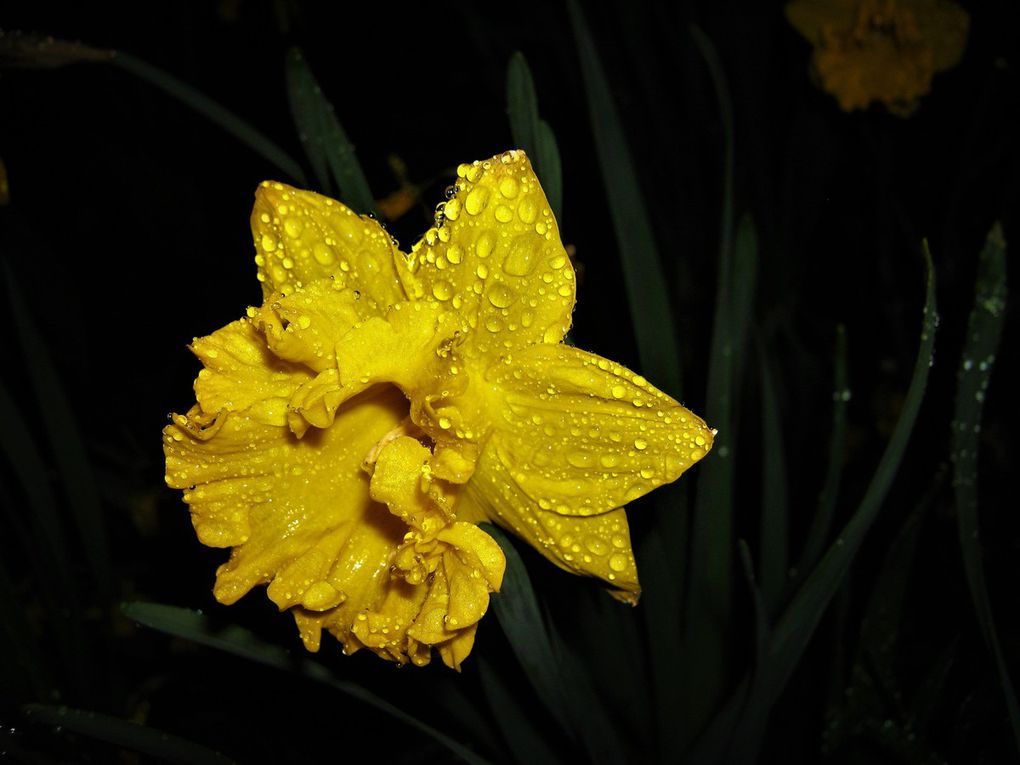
495, 258
300, 240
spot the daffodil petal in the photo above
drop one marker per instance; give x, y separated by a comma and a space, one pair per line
301, 237
303, 327
456, 649
242, 375
496, 260
487, 558
399, 481
580, 435
593, 545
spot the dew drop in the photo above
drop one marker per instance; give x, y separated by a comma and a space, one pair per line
522, 258
476, 200
323, 255
501, 296
596, 546
618, 562
504, 214
508, 187
442, 290
484, 244
640, 444
581, 459
527, 210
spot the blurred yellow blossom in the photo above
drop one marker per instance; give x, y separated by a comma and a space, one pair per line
352, 431
880, 50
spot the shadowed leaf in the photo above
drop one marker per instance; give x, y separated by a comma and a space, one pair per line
984, 333
129, 735
240, 642
324, 138
216, 113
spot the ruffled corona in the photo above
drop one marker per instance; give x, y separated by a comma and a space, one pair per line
351, 432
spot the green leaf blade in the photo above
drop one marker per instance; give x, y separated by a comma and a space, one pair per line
984, 335
775, 499
642, 267
532, 133
129, 735
238, 641
794, 630
324, 138
214, 112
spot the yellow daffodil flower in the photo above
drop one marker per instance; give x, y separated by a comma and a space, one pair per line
880, 50
352, 431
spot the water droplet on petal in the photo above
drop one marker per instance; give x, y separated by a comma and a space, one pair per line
523, 255
442, 290
501, 296
596, 546
508, 187
618, 562
527, 210
484, 244
476, 200
323, 255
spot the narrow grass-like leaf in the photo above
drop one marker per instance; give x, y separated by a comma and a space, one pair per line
551, 174
516, 724
65, 441
516, 607
663, 568
755, 696
216, 113
532, 133
613, 649
324, 138
305, 99
725, 102
801, 617
642, 266
775, 503
821, 524
984, 333
710, 585
747, 737
521, 102
592, 725
240, 642
129, 735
